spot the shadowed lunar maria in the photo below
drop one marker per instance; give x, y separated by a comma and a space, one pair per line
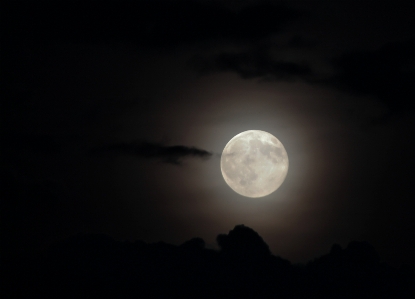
254, 163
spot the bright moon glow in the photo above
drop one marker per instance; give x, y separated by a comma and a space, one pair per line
254, 163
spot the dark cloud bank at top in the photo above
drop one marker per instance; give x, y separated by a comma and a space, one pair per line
386, 73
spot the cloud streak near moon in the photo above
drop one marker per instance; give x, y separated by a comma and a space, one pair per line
167, 154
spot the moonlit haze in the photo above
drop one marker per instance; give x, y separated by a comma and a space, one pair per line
161, 121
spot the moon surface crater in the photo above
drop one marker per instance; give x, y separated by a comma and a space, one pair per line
254, 163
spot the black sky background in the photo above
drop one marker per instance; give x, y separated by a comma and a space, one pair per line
114, 115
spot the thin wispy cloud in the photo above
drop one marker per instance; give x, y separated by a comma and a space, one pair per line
167, 154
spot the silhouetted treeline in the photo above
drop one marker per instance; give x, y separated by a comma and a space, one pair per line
96, 266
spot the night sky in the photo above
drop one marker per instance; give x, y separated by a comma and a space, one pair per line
115, 114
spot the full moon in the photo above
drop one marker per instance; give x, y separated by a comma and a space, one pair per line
254, 163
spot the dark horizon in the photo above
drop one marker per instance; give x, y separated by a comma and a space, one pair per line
97, 266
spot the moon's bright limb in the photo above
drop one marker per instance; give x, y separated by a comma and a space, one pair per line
254, 163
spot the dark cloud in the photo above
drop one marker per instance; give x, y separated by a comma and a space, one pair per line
253, 64
154, 23
167, 154
387, 73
